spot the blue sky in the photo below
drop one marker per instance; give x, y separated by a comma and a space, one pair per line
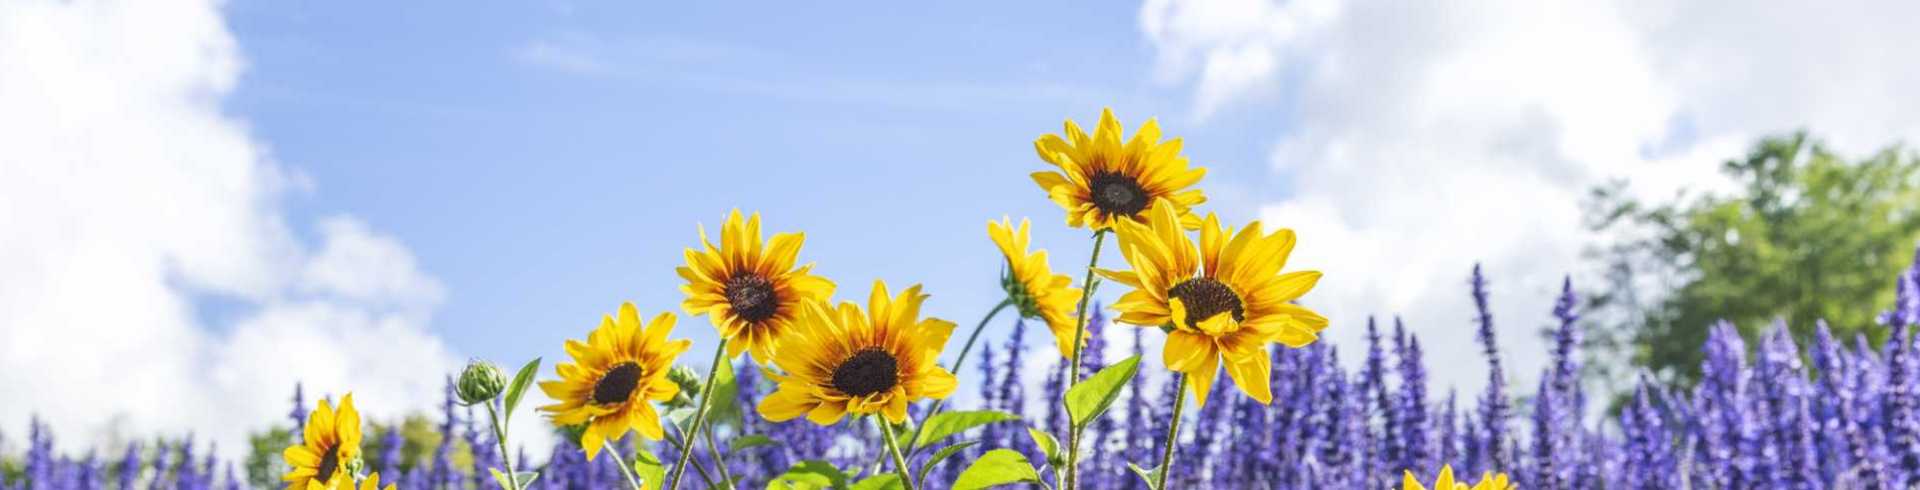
548, 162
361, 195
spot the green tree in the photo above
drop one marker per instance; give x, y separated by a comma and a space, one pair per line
1806, 236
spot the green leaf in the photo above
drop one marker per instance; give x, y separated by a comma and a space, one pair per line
1146, 475
997, 467
749, 441
521, 381
810, 474
648, 467
1090, 398
920, 477
525, 479
946, 424
883, 481
1049, 447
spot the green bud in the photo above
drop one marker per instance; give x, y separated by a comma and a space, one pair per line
689, 382
480, 382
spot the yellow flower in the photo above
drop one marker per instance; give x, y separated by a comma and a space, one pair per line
1488, 481
615, 373
373, 483
841, 360
1223, 301
750, 289
1103, 181
331, 440
1032, 285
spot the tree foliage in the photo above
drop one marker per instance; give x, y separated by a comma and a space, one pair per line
1806, 236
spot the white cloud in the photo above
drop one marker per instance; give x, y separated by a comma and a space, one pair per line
1434, 135
126, 195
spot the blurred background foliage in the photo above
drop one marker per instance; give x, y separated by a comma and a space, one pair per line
1805, 236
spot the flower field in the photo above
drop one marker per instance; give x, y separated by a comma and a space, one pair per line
809, 391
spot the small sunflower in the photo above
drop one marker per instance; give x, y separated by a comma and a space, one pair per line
1223, 301
620, 368
373, 483
842, 360
1103, 181
331, 440
749, 288
1032, 285
1488, 481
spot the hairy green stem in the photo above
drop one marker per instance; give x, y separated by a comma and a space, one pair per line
1073, 377
893, 447
500, 436
719, 462
1173, 434
699, 416
633, 481
680, 443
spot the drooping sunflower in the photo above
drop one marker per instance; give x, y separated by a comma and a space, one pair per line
1222, 302
614, 375
1103, 180
1032, 286
841, 360
1488, 481
749, 288
331, 440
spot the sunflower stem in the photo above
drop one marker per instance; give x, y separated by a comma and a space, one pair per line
500, 436
699, 416
957, 363
719, 462
633, 481
893, 447
680, 444
1173, 434
1073, 377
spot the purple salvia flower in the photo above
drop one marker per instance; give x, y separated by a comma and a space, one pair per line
1786, 403
1449, 437
1139, 434
1494, 406
390, 445
129, 467
299, 413
1012, 392
1648, 452
87, 475
233, 479
40, 464
483, 450
1056, 418
1413, 405
1375, 403
1546, 473
443, 474
1839, 438
160, 466
183, 470
1337, 424
1899, 406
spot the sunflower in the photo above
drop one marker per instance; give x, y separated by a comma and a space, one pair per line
749, 288
373, 483
1488, 481
841, 360
1103, 181
1032, 286
1223, 301
331, 440
620, 368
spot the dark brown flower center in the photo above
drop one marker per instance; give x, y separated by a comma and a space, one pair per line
1205, 297
329, 462
752, 297
617, 385
868, 372
1118, 194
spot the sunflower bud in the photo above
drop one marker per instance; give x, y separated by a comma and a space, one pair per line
480, 382
689, 382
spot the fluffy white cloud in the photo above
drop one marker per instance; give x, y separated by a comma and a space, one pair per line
1434, 135
127, 196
